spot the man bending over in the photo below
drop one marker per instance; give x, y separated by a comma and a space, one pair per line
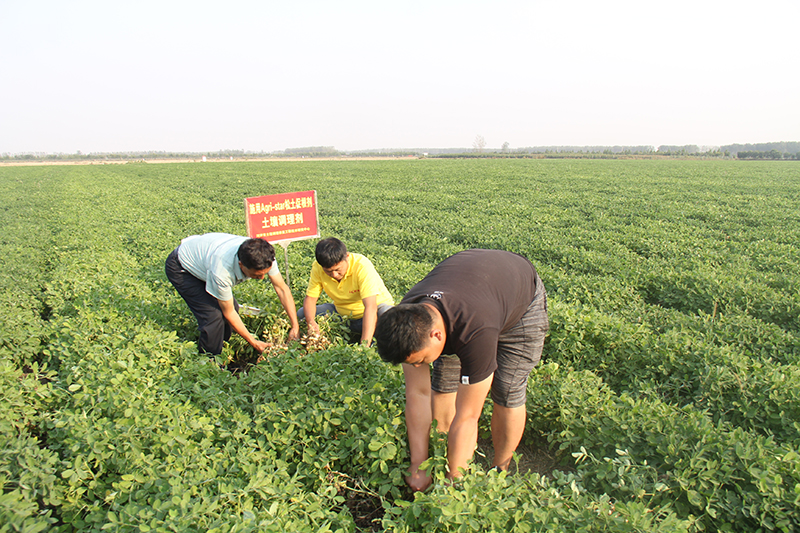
480, 317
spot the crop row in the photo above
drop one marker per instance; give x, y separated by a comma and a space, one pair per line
669, 387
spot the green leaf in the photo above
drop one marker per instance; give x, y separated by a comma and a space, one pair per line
695, 498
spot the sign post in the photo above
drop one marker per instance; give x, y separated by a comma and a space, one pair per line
282, 218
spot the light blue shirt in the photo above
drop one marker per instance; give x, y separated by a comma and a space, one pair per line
213, 258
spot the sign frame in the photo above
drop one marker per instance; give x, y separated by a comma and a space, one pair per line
289, 208
285, 208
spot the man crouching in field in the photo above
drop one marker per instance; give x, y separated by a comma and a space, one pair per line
204, 269
351, 281
488, 308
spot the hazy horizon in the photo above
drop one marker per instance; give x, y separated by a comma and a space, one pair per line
176, 76
387, 150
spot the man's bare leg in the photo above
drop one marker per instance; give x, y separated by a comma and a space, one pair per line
508, 424
443, 405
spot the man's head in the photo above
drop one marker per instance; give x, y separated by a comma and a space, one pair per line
256, 257
407, 334
331, 254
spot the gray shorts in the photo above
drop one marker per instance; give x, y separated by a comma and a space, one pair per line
518, 351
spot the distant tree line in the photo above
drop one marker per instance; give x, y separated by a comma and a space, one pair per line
312, 151
792, 148
586, 150
771, 155
124, 156
689, 149
763, 151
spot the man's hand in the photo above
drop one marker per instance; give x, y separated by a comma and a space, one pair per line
233, 318
312, 326
287, 301
260, 346
419, 480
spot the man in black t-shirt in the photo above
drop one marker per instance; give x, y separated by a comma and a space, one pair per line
480, 316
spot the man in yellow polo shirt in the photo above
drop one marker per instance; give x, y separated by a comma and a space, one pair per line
350, 280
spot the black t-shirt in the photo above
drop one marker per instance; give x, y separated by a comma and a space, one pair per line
480, 294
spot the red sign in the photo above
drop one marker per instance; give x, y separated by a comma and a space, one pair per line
282, 217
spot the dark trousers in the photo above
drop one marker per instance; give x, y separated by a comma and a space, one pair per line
214, 329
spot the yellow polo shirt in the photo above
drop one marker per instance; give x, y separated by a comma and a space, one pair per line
361, 281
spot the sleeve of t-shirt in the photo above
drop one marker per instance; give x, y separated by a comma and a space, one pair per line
369, 282
314, 289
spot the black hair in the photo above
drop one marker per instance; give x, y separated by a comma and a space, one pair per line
330, 252
256, 254
401, 331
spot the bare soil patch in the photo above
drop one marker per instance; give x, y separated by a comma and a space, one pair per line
535, 456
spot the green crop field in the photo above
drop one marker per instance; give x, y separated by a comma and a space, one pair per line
668, 398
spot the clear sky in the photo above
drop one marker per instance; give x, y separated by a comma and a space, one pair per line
264, 75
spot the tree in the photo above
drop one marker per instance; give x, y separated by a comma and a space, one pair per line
479, 144
505, 147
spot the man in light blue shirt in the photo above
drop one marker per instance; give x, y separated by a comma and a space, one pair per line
204, 270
